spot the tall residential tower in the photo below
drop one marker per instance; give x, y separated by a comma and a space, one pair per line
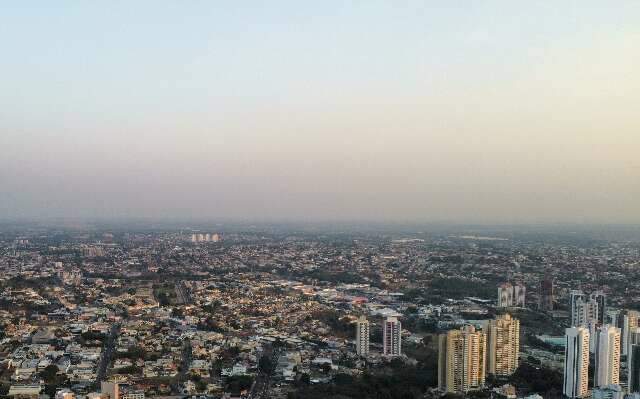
576, 362
391, 337
461, 360
629, 322
503, 345
633, 361
362, 336
546, 295
607, 367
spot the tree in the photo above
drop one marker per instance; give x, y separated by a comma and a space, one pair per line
239, 383
163, 299
133, 352
265, 364
49, 373
201, 386
93, 336
130, 370
537, 379
343, 379
234, 351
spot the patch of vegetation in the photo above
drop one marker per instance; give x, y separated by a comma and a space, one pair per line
239, 383
458, 287
541, 380
133, 352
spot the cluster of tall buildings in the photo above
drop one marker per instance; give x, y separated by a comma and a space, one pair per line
511, 295
576, 363
467, 355
587, 311
205, 237
391, 336
607, 335
93, 252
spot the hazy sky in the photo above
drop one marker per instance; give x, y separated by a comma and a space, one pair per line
466, 111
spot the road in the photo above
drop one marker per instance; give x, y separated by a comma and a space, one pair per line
261, 385
184, 366
107, 354
182, 294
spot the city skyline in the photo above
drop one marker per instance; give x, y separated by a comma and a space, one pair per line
107, 312
329, 200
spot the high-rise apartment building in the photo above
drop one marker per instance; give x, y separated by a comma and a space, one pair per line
362, 336
576, 362
583, 311
601, 299
607, 366
461, 360
575, 296
546, 295
519, 295
503, 345
633, 360
505, 295
510, 295
612, 317
391, 337
593, 328
629, 322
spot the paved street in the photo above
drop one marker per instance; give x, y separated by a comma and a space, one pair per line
260, 388
107, 354
182, 293
184, 366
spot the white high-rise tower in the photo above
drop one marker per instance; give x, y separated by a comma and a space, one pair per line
629, 322
511, 295
505, 295
607, 367
585, 312
362, 336
576, 362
